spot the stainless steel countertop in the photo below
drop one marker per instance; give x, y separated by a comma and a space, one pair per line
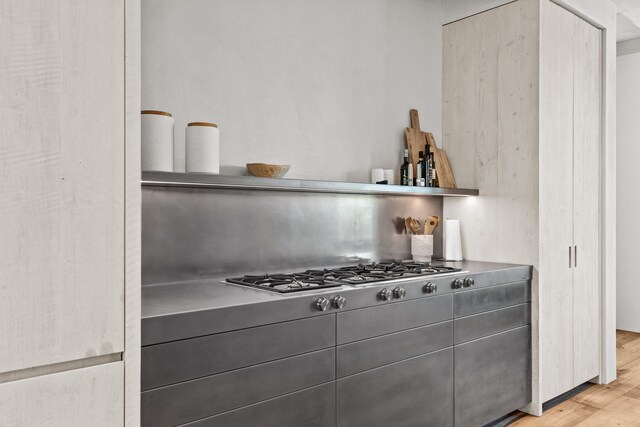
179, 310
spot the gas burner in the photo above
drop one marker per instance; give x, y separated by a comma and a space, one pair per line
360, 273
285, 283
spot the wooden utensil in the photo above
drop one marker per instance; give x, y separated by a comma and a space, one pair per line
413, 225
430, 224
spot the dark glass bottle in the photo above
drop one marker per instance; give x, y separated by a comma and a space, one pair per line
430, 169
433, 181
425, 165
405, 169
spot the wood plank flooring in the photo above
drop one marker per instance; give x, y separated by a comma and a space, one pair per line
615, 404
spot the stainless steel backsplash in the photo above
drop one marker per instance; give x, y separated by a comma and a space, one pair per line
189, 233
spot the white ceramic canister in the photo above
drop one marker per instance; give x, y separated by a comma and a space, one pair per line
376, 175
388, 175
157, 141
202, 145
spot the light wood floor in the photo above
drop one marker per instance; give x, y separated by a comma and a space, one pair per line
615, 404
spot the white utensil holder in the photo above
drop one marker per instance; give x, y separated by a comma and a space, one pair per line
422, 247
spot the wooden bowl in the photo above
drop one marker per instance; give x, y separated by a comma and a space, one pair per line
265, 170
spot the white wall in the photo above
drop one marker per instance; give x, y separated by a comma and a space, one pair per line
323, 85
628, 101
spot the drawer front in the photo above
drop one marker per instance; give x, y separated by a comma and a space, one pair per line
414, 392
492, 376
170, 363
90, 396
204, 397
491, 322
313, 407
385, 319
500, 275
372, 353
491, 298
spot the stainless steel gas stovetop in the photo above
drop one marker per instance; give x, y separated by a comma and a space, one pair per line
352, 275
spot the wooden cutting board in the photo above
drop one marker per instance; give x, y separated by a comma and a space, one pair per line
447, 173
443, 169
416, 140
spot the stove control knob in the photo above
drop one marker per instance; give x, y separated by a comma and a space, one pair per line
399, 292
338, 301
456, 284
385, 294
322, 304
468, 282
431, 288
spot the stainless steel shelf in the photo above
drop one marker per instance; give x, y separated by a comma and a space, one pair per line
194, 180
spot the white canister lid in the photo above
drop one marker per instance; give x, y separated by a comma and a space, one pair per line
156, 112
212, 125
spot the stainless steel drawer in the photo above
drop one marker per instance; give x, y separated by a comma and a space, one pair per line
173, 362
491, 298
312, 407
492, 376
374, 352
204, 397
414, 392
491, 322
388, 318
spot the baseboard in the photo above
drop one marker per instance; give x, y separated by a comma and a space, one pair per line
532, 408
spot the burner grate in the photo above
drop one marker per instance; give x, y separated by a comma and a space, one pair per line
284, 283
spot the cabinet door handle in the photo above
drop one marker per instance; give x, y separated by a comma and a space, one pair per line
575, 256
569, 256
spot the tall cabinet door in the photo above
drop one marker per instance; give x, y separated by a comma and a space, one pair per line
586, 200
555, 291
61, 180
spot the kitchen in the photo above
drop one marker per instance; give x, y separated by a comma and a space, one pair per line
245, 300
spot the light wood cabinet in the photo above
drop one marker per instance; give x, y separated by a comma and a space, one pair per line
62, 163
67, 239
587, 219
556, 292
81, 397
522, 122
